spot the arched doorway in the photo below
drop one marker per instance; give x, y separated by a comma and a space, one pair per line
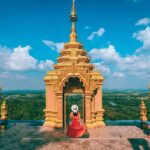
73, 93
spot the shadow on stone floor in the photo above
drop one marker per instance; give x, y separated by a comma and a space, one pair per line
139, 144
22, 136
48, 136
145, 130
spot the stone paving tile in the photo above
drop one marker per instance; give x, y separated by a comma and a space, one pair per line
24, 137
117, 132
96, 144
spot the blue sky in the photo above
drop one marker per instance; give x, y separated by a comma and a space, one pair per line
116, 34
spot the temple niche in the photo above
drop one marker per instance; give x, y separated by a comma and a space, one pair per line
73, 74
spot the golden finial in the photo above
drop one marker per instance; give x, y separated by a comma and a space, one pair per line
143, 112
4, 111
73, 18
73, 15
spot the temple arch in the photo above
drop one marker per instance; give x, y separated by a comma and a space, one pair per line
71, 75
73, 94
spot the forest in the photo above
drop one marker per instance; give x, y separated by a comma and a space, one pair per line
118, 105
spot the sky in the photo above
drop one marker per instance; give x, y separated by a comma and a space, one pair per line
115, 34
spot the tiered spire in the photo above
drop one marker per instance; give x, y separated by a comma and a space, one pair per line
4, 111
73, 52
73, 18
143, 112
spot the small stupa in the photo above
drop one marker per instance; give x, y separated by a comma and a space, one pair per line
4, 111
143, 112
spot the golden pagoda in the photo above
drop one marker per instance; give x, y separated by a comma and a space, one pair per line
143, 112
4, 111
73, 74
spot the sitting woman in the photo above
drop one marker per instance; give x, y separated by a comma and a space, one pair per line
75, 129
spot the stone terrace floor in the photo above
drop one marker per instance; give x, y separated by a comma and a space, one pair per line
24, 136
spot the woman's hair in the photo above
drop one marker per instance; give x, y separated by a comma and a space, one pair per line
75, 113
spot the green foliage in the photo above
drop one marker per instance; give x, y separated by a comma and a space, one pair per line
25, 109
29, 105
124, 106
22, 106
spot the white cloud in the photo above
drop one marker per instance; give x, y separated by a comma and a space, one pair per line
46, 65
17, 59
20, 59
103, 69
110, 61
17, 66
98, 33
143, 21
139, 67
139, 74
9, 75
54, 46
4, 56
118, 74
108, 54
144, 37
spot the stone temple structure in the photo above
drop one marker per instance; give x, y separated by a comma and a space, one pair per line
73, 74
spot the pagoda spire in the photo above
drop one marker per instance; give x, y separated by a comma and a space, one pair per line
143, 112
4, 111
73, 18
